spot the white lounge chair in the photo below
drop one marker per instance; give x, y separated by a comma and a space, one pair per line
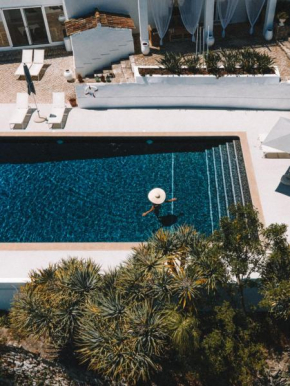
27, 59
38, 63
58, 109
270, 152
21, 110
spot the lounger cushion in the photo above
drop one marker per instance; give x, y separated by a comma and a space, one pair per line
20, 69
18, 117
56, 115
35, 69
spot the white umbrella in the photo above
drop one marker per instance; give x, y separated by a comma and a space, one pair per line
279, 136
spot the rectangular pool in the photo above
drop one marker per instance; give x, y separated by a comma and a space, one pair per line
92, 189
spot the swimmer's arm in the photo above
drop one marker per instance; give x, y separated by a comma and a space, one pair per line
149, 211
172, 199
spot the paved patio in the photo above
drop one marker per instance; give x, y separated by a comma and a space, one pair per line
57, 60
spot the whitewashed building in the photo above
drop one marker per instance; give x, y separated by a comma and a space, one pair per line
40, 22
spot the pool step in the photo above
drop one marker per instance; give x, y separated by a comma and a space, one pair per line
227, 179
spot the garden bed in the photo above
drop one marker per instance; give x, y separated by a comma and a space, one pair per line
145, 71
155, 74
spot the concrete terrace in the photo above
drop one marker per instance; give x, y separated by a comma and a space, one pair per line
17, 261
57, 60
275, 198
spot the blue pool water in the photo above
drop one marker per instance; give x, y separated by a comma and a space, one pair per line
95, 190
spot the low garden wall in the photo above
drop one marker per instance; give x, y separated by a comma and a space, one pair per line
205, 79
218, 95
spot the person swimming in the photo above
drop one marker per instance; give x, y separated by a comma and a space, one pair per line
157, 196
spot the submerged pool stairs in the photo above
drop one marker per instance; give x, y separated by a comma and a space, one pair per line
227, 179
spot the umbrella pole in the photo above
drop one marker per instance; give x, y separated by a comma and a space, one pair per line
38, 119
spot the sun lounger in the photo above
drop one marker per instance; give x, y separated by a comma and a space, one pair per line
27, 59
270, 152
21, 110
38, 63
58, 109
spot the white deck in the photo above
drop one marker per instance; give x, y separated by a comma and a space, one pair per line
276, 206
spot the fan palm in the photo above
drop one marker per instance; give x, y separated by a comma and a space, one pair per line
186, 288
183, 330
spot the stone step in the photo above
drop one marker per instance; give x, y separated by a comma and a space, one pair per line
126, 64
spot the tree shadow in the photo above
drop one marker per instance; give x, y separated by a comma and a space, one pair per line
284, 188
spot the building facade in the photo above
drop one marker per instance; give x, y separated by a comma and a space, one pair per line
25, 23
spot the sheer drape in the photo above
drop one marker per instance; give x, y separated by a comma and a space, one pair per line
190, 11
162, 12
254, 8
226, 10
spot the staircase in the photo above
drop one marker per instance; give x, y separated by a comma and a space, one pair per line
227, 179
122, 72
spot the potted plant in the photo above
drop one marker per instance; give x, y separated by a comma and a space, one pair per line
72, 99
282, 17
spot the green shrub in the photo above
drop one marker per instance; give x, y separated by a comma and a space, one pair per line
230, 351
192, 63
212, 61
230, 59
248, 60
172, 62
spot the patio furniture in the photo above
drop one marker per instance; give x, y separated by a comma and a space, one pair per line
153, 37
178, 33
38, 63
58, 109
21, 111
270, 152
26, 58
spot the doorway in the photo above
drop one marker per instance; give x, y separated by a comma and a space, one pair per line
26, 26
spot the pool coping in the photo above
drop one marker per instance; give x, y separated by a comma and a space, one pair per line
129, 245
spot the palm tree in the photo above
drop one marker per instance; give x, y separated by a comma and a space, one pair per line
52, 303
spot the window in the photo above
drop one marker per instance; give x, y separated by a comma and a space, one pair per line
3, 36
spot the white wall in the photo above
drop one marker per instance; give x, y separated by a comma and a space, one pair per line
245, 96
99, 47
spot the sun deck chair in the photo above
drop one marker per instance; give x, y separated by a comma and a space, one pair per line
26, 58
58, 109
21, 110
38, 63
270, 152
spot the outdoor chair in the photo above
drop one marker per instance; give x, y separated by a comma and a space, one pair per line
58, 109
21, 111
27, 59
270, 152
38, 63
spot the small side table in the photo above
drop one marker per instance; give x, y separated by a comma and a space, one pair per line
281, 32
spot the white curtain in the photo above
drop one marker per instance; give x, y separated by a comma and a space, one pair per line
162, 12
226, 10
254, 8
190, 11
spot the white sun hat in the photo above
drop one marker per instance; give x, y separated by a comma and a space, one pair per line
157, 196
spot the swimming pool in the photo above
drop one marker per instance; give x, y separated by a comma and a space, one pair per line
88, 189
